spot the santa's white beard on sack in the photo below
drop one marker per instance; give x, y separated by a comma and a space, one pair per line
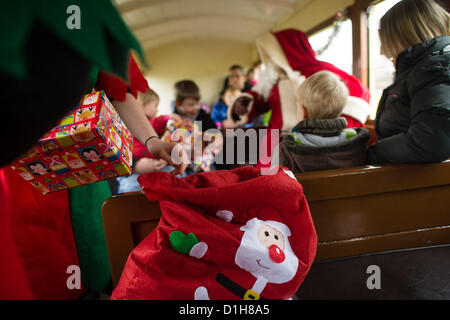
253, 257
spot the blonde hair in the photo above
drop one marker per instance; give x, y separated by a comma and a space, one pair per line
323, 95
148, 96
411, 22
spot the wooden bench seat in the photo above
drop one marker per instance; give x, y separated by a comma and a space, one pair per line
356, 211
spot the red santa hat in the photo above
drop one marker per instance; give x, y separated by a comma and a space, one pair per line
222, 235
302, 58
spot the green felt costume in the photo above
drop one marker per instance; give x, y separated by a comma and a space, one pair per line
103, 37
87, 223
103, 40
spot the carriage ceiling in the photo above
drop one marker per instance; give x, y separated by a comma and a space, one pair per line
158, 22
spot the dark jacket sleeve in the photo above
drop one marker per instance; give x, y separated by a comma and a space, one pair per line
428, 137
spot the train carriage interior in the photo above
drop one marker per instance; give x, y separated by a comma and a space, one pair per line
380, 229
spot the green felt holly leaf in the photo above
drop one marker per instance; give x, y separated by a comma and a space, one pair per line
181, 242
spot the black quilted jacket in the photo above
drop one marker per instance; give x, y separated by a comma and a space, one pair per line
413, 117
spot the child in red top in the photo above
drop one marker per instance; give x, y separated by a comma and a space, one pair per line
150, 102
143, 160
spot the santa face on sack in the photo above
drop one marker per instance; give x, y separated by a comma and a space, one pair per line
265, 251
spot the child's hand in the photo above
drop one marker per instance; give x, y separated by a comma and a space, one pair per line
159, 164
227, 124
176, 117
145, 165
167, 150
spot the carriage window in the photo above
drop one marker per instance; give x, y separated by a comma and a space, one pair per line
381, 69
340, 49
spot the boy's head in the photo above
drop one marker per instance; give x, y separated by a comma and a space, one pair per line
229, 95
236, 77
150, 102
323, 95
187, 98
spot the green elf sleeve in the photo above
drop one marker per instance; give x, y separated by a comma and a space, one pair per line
103, 38
89, 234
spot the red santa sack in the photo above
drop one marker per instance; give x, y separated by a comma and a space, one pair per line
222, 235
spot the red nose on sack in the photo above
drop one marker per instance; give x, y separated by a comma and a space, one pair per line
276, 254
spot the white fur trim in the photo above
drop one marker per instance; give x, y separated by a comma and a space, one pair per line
267, 79
291, 113
357, 108
272, 55
244, 118
270, 50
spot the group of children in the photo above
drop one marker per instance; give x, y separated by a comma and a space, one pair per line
187, 108
320, 141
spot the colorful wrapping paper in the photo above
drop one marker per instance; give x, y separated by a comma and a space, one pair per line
188, 134
90, 144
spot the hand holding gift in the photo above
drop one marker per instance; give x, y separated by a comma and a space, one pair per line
134, 117
194, 143
145, 165
170, 152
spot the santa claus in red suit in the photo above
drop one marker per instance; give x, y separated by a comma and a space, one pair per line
289, 59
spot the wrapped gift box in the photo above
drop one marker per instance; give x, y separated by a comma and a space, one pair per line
177, 131
189, 135
90, 144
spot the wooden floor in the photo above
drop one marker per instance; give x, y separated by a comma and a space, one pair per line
412, 274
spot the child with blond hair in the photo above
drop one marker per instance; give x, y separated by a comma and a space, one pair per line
321, 141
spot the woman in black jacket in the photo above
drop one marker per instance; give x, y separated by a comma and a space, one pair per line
413, 117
